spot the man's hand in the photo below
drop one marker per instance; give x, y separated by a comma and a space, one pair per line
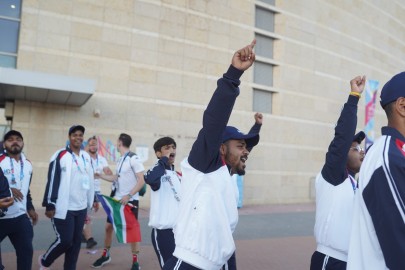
357, 84
125, 200
34, 216
244, 58
17, 194
258, 118
50, 213
6, 202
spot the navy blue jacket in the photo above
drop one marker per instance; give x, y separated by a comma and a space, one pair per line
334, 170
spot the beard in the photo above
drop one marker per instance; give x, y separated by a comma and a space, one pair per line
240, 171
14, 150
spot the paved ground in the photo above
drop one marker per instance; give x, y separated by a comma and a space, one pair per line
267, 238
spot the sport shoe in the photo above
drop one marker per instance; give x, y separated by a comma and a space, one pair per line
41, 267
103, 260
135, 266
91, 243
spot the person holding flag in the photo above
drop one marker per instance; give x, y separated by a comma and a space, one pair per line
127, 182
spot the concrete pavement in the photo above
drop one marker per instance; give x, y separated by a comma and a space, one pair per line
267, 238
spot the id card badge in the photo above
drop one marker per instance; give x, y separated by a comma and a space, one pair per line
85, 182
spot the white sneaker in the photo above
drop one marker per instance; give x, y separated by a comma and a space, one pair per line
41, 267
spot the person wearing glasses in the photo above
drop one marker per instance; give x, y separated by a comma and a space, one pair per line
336, 187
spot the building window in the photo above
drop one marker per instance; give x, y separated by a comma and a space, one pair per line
262, 101
264, 46
270, 2
263, 68
10, 17
264, 19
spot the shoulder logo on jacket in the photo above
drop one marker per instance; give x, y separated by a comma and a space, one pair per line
165, 178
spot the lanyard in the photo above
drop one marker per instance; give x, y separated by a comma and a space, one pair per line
12, 170
122, 162
77, 163
91, 160
354, 183
175, 194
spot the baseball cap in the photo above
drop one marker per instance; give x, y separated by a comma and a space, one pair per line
393, 89
359, 137
73, 128
12, 133
232, 133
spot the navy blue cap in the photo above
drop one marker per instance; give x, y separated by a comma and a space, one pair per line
393, 89
73, 128
232, 133
359, 137
12, 133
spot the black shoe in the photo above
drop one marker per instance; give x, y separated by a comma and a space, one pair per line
101, 262
91, 243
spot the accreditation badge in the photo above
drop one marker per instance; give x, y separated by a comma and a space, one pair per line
85, 182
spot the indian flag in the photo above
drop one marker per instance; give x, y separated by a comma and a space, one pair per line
126, 226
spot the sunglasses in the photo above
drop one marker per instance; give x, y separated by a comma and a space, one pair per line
358, 148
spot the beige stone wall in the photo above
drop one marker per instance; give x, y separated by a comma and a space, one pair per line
156, 65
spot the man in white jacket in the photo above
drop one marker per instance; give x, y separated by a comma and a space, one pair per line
16, 223
377, 239
69, 194
336, 187
208, 208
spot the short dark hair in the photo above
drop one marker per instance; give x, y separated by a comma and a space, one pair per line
389, 109
92, 138
125, 139
162, 142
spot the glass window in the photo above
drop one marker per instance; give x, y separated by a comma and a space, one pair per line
262, 101
8, 61
10, 8
270, 2
263, 73
264, 46
264, 19
9, 33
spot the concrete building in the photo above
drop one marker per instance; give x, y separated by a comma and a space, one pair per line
149, 67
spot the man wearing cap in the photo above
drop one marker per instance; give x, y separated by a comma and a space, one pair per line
208, 208
378, 232
15, 224
336, 187
69, 193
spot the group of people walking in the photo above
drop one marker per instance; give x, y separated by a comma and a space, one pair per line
360, 222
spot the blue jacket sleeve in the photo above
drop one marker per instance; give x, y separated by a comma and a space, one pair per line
4, 187
254, 130
384, 198
30, 206
5, 191
333, 170
204, 155
153, 175
52, 186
